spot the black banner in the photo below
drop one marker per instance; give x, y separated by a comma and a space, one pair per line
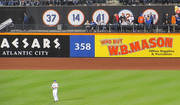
88, 13
34, 46
36, 17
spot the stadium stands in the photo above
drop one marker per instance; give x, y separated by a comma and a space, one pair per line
85, 2
48, 2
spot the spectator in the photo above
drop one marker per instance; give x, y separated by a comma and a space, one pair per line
121, 18
103, 24
36, 2
98, 24
25, 22
82, 2
24, 2
55, 2
152, 21
89, 2
32, 2
115, 22
122, 2
51, 3
141, 21
151, 17
16, 2
5, 3
45, 3
58, 3
75, 2
163, 2
137, 2
131, 20
87, 26
69, 2
27, 3
167, 2
166, 18
11, 3
21, 2
64, 2
173, 22
148, 23
178, 23
149, 2
126, 2
165, 26
93, 25
117, 17
41, 2
144, 2
130, 2
123, 24
1, 2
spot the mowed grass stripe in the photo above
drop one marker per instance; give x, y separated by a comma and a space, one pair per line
90, 87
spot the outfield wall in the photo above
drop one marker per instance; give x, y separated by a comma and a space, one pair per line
89, 45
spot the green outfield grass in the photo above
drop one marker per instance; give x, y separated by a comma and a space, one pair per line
90, 87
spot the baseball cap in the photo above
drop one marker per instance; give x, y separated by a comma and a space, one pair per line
54, 80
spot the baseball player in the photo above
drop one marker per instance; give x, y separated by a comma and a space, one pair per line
55, 90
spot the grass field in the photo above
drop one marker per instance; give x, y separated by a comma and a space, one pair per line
90, 87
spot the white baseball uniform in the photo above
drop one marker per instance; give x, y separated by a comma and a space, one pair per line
55, 90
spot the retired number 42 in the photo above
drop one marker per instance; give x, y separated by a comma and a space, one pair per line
82, 46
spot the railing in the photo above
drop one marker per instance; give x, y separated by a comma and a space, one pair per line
109, 28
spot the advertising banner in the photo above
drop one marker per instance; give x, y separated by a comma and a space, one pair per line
134, 45
87, 45
34, 46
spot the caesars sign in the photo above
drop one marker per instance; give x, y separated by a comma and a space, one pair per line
33, 46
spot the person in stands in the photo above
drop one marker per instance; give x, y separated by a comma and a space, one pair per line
173, 22
177, 23
122, 17
148, 23
141, 21
115, 21
93, 25
87, 26
166, 18
166, 26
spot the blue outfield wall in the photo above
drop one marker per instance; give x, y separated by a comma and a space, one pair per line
82, 46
